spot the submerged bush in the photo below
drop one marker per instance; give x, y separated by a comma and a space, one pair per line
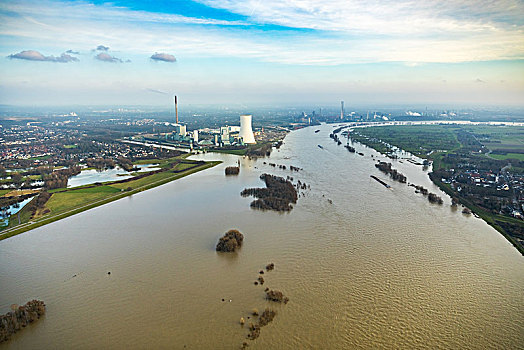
231, 240
232, 170
267, 316
20, 317
276, 295
278, 194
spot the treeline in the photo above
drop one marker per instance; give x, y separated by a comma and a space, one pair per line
262, 151
468, 141
432, 197
39, 202
232, 170
278, 194
59, 178
283, 167
126, 164
350, 149
100, 163
395, 175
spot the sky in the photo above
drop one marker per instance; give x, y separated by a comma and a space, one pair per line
264, 52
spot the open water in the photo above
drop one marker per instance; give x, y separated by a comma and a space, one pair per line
377, 268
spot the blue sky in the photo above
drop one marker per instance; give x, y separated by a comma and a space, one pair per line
261, 51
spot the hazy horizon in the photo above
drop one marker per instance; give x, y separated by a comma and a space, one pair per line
126, 52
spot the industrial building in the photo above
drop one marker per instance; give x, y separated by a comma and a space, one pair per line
246, 131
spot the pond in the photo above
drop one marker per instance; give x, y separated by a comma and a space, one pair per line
91, 176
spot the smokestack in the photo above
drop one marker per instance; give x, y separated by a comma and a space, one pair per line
341, 109
176, 109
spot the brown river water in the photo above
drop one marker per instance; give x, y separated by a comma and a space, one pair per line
378, 268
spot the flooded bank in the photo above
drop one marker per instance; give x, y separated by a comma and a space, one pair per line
372, 269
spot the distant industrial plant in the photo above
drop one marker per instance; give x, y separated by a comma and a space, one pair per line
225, 136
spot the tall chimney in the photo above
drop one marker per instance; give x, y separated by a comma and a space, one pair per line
176, 109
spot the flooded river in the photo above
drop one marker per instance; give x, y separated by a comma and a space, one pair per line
376, 268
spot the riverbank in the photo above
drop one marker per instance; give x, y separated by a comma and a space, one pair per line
462, 167
487, 217
66, 202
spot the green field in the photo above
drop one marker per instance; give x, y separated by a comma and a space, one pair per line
97, 189
417, 139
67, 200
146, 161
40, 158
503, 141
498, 137
144, 181
519, 156
182, 166
238, 152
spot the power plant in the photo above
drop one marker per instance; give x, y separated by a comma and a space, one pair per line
246, 132
228, 136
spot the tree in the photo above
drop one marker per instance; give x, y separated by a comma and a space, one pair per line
16, 178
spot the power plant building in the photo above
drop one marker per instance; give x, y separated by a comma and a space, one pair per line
246, 131
195, 136
180, 129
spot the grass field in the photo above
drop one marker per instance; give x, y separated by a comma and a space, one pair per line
519, 156
182, 166
143, 181
146, 161
505, 142
417, 139
68, 200
238, 152
498, 137
40, 158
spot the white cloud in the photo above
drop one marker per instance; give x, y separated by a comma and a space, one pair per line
342, 32
32, 55
380, 17
165, 57
102, 56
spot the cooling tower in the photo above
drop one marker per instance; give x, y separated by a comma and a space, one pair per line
246, 132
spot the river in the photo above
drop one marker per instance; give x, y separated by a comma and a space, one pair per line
377, 268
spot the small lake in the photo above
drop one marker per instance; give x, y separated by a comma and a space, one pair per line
13, 209
91, 176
